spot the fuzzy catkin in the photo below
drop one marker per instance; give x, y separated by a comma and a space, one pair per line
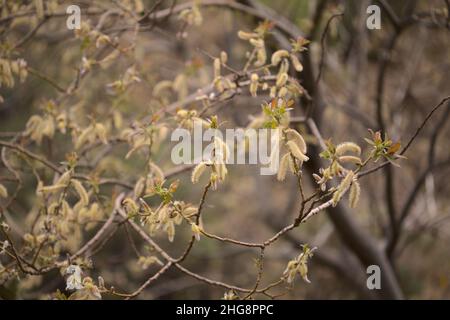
197, 172
295, 150
355, 191
342, 188
347, 147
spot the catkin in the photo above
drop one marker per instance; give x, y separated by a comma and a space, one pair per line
296, 63
282, 79
253, 88
100, 132
157, 172
223, 57
64, 179
350, 159
278, 55
355, 191
196, 230
198, 171
82, 193
283, 92
246, 35
139, 187
216, 68
3, 191
284, 165
297, 137
295, 150
347, 147
261, 56
342, 188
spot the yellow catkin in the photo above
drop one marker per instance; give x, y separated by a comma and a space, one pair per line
196, 230
278, 55
161, 86
258, 43
284, 165
295, 150
3, 191
297, 137
273, 92
246, 35
221, 150
221, 170
296, 63
355, 191
157, 172
85, 135
198, 171
223, 57
282, 79
261, 56
342, 188
139, 187
347, 147
130, 205
170, 230
82, 193
350, 159
283, 92
253, 84
217, 68
100, 132
64, 179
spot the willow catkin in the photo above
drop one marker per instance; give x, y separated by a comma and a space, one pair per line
3, 191
273, 92
64, 178
139, 187
345, 147
156, 171
82, 193
282, 92
355, 191
198, 171
295, 150
253, 88
296, 63
350, 159
169, 227
278, 55
100, 132
294, 135
261, 56
223, 57
284, 165
221, 150
161, 86
342, 188
221, 170
48, 127
196, 230
282, 79
84, 136
217, 68
246, 35
258, 43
